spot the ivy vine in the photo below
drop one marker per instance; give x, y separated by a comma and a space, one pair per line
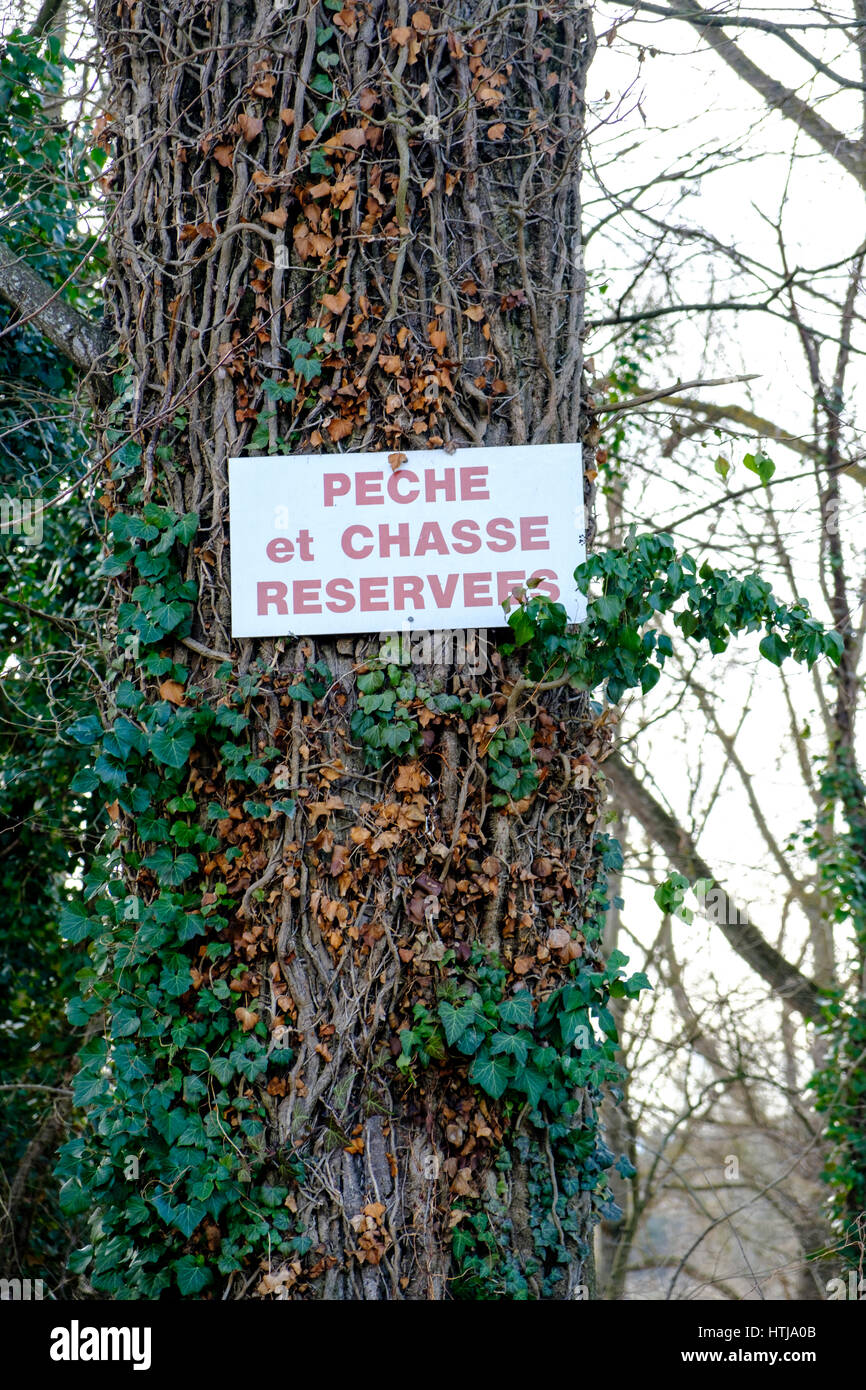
173, 1168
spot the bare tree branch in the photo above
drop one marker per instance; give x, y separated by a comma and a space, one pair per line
48, 12
756, 424
739, 21
778, 97
764, 306
647, 396
784, 978
87, 345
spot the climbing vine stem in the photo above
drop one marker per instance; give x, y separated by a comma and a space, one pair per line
187, 1046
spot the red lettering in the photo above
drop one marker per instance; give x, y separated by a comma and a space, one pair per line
348, 537
305, 595
533, 533
374, 595
473, 584
394, 486
368, 489
279, 550
336, 485
473, 484
506, 582
272, 595
546, 586
443, 597
432, 485
466, 537
500, 534
408, 586
340, 596
431, 538
305, 545
388, 539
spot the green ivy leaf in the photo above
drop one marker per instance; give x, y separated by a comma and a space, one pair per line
86, 1089
649, 678
607, 607
223, 1069
175, 978
76, 923
168, 869
522, 626
455, 1021
606, 1023
533, 1084
518, 1009
187, 1215
308, 367
834, 646
774, 648
124, 1023
514, 1045
301, 692
491, 1073
370, 681
192, 1276
471, 1039
168, 615
85, 780
172, 745
187, 527
87, 730
635, 983
761, 465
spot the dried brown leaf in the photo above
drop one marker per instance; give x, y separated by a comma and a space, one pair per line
250, 126
172, 691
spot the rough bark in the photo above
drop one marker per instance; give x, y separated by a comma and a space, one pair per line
446, 270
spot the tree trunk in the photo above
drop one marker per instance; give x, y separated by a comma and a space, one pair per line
407, 182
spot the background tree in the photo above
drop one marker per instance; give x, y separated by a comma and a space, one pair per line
770, 473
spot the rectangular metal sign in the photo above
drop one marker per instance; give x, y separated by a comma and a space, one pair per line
333, 543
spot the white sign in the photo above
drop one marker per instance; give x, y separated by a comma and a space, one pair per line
344, 543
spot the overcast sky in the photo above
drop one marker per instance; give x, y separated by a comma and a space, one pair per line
654, 115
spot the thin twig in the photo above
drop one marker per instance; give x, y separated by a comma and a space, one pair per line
634, 401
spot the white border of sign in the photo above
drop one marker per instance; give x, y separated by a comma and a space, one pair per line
342, 543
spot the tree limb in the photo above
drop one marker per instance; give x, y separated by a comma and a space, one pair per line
758, 425
87, 345
783, 978
778, 97
647, 396
48, 12
739, 21
763, 307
